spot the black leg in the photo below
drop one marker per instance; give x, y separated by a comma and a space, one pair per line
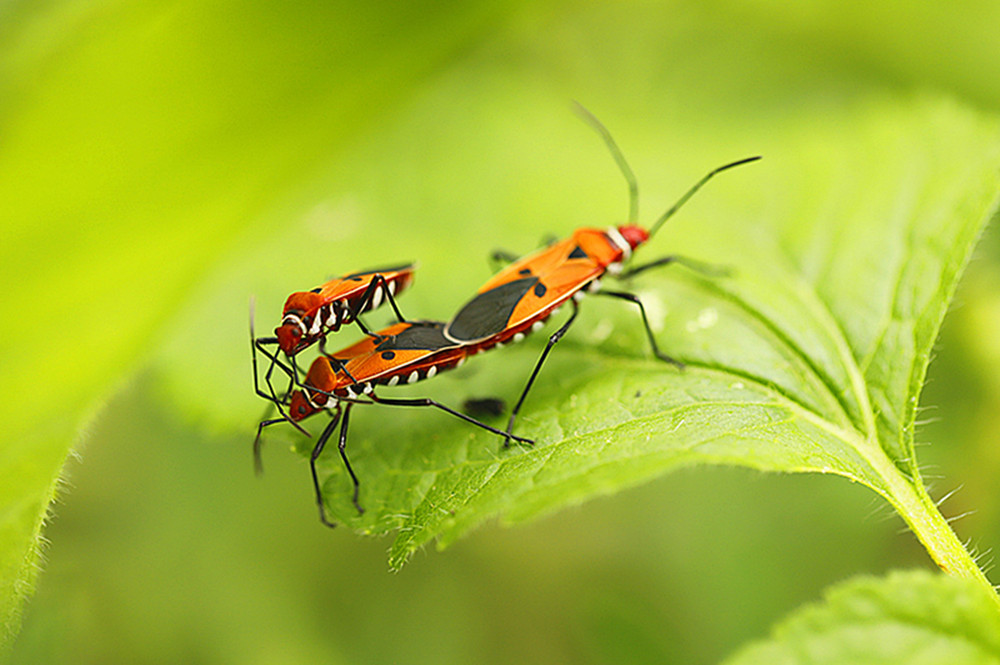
631, 297
691, 264
337, 363
343, 455
424, 401
368, 298
317, 450
500, 257
258, 465
258, 345
555, 337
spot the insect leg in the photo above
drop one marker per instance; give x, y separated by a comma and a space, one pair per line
342, 446
258, 465
369, 301
555, 337
631, 297
257, 344
317, 450
425, 401
500, 257
337, 364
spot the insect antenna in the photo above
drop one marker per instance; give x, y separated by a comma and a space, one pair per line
689, 193
633, 184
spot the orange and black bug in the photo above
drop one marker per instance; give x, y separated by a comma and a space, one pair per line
400, 354
309, 316
521, 297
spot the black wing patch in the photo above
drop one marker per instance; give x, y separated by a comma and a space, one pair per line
423, 335
578, 253
488, 313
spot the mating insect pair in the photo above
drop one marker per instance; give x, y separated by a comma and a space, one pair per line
403, 353
516, 301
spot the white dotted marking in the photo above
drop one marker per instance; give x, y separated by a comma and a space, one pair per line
317, 325
413, 377
376, 298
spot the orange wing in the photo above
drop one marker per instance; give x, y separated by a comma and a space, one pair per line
353, 285
530, 288
310, 315
408, 353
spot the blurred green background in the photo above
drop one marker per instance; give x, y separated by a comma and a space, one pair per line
161, 162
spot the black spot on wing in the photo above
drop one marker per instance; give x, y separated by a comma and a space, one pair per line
540, 289
578, 253
488, 313
422, 335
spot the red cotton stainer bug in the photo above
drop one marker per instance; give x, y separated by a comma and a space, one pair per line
519, 298
403, 353
309, 316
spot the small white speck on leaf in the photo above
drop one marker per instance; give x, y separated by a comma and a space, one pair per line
706, 318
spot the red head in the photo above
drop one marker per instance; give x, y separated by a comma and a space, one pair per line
634, 235
289, 335
300, 408
300, 308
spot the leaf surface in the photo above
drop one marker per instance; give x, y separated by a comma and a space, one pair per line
908, 617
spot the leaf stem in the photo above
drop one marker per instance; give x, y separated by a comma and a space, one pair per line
910, 499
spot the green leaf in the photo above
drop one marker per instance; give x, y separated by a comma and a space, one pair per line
846, 244
809, 359
908, 617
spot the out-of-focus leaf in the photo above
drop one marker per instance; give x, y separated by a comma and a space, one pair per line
908, 617
134, 139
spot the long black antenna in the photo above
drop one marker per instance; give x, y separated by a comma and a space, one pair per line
681, 201
633, 185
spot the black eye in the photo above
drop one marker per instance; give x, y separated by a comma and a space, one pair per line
302, 410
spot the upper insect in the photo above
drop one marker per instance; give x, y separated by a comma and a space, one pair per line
309, 316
